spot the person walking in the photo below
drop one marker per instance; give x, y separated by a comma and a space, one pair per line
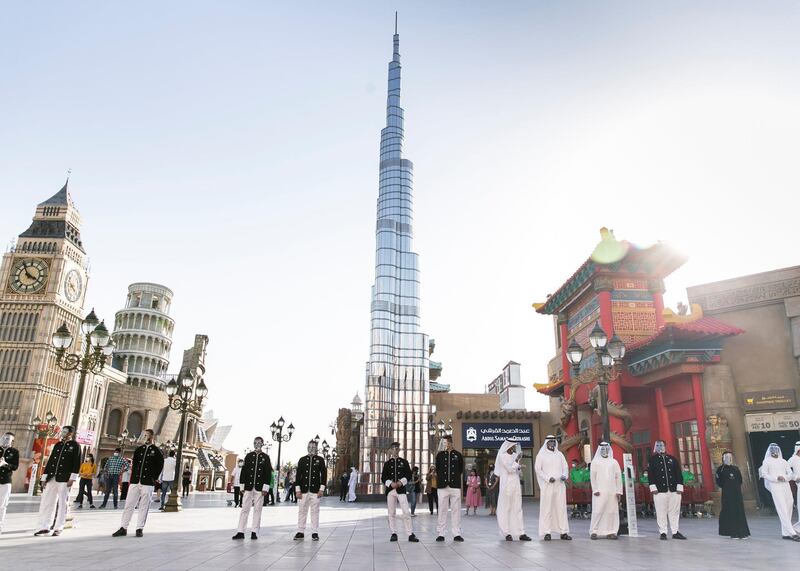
186, 480
148, 463
492, 490
87, 473
9, 461
732, 517
430, 489
412, 489
666, 482
777, 473
167, 477
352, 482
256, 476
237, 484
61, 471
449, 470
115, 466
509, 502
311, 472
396, 475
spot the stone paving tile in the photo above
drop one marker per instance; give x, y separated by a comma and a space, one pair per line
355, 537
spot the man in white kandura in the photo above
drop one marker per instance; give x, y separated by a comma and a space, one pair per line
509, 499
606, 478
794, 466
552, 471
776, 473
351, 484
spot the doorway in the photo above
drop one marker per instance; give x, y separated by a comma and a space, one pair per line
759, 442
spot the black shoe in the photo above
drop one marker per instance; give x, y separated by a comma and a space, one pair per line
56, 533
299, 535
91, 506
663, 537
121, 532
413, 538
547, 537
103, 507
678, 535
393, 537
566, 537
440, 538
524, 537
139, 532
458, 538
253, 535
239, 535
315, 537
79, 506
593, 536
509, 538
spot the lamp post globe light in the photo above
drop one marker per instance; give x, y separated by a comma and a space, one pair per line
98, 347
609, 354
124, 439
44, 431
278, 436
185, 397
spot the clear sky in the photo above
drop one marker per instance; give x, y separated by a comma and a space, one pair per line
230, 152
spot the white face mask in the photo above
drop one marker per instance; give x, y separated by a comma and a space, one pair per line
64, 433
312, 448
727, 459
660, 448
116, 453
6, 441
258, 444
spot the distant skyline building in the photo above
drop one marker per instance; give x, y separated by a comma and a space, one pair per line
396, 404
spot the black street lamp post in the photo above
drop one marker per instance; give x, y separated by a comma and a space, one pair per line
279, 437
124, 439
97, 348
609, 354
184, 397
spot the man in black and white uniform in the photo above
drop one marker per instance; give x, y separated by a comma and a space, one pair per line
449, 474
255, 478
9, 461
148, 462
666, 483
395, 475
61, 471
309, 487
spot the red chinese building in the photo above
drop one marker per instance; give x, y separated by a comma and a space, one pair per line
657, 394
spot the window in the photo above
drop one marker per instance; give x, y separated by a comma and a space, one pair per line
114, 420
641, 449
154, 303
135, 422
687, 442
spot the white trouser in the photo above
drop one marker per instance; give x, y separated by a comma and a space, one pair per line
5, 495
668, 507
509, 507
309, 500
449, 497
392, 499
251, 499
782, 498
55, 495
138, 495
553, 508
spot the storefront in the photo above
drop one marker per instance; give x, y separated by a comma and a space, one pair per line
764, 428
482, 440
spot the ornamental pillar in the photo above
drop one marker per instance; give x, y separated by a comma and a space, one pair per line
700, 413
664, 425
656, 287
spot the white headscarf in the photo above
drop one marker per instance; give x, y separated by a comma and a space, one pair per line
504, 452
598, 457
544, 447
796, 446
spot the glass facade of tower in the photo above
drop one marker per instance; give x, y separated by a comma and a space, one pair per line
396, 407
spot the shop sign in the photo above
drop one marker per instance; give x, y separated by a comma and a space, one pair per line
769, 400
786, 420
759, 422
492, 435
85, 437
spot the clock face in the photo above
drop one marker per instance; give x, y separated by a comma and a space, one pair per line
73, 285
28, 275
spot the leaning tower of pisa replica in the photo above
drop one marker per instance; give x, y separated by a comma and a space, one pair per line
143, 335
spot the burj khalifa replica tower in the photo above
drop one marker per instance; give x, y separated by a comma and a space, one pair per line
397, 403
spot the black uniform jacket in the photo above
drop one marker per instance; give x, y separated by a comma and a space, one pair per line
449, 469
148, 462
311, 473
664, 473
64, 463
395, 470
11, 456
256, 472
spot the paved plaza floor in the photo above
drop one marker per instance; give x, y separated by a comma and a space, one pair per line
355, 537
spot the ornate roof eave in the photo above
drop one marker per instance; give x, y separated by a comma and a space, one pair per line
550, 389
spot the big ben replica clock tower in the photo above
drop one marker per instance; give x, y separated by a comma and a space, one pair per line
42, 285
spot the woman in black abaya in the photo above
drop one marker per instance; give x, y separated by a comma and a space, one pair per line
732, 519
